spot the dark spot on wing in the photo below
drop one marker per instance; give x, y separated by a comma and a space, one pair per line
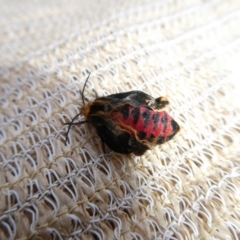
146, 116
151, 138
142, 135
155, 119
175, 126
135, 113
160, 139
164, 121
125, 111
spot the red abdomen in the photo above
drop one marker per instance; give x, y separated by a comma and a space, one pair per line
146, 123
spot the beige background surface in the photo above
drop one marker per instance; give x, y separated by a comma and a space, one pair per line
188, 51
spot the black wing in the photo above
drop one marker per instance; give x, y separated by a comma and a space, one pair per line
136, 99
118, 140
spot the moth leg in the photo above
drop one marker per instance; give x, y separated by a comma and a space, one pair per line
70, 125
96, 95
161, 102
103, 145
75, 123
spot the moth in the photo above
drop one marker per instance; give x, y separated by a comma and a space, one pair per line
128, 122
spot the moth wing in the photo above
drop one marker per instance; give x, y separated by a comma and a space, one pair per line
117, 139
136, 99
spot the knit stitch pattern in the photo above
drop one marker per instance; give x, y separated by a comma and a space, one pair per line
186, 50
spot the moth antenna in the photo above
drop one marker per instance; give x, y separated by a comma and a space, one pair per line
84, 86
72, 123
81, 122
80, 93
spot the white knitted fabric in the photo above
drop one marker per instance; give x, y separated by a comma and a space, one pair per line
186, 50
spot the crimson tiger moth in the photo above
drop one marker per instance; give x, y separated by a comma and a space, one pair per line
128, 122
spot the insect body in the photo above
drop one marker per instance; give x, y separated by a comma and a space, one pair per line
130, 122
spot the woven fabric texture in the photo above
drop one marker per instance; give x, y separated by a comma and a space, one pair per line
187, 188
